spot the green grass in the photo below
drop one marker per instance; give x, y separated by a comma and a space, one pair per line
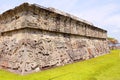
106, 67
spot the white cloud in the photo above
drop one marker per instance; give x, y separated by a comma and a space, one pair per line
104, 16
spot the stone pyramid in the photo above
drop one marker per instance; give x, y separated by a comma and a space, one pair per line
34, 38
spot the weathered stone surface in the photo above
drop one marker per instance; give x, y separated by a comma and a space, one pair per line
34, 38
39, 17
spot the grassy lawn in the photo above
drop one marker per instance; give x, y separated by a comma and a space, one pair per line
105, 67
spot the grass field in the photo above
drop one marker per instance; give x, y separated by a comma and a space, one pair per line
105, 67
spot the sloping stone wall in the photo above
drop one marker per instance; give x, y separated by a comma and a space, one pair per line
36, 38
40, 49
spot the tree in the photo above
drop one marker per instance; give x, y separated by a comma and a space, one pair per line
112, 40
112, 43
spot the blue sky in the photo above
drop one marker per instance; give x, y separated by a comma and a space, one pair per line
102, 13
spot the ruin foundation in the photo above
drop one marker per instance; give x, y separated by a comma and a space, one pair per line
34, 38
